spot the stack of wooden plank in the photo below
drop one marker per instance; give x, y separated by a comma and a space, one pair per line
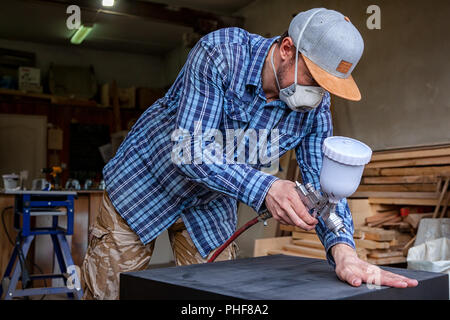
406, 177
375, 245
379, 246
403, 218
301, 243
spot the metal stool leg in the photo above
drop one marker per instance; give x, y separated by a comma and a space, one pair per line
71, 269
60, 258
8, 270
18, 269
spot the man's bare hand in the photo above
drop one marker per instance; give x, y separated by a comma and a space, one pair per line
285, 205
351, 269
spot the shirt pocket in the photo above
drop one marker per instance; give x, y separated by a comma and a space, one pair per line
288, 140
235, 110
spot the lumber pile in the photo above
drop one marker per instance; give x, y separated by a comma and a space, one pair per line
375, 245
406, 186
301, 243
402, 187
393, 228
381, 246
414, 176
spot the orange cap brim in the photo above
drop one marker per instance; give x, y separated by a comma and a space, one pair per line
344, 88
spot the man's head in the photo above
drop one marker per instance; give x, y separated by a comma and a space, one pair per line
326, 47
286, 71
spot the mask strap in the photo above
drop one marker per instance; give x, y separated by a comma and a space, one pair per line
273, 67
298, 42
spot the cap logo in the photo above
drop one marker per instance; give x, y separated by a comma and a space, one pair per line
344, 66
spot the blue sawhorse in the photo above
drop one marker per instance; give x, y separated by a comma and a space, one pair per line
41, 203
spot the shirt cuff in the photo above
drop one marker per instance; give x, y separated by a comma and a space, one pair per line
254, 188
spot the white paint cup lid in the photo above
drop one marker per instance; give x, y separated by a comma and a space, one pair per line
347, 151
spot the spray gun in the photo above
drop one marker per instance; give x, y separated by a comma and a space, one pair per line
342, 167
319, 205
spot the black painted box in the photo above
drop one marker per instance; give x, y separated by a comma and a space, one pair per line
276, 277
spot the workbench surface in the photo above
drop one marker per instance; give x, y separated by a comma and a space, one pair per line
276, 277
40, 192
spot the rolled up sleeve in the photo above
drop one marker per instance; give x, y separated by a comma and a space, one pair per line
309, 157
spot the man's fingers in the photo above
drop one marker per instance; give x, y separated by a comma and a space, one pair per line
350, 276
395, 283
398, 280
296, 220
282, 214
378, 276
301, 210
355, 281
355, 277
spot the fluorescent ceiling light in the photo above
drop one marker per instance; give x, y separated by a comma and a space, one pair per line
81, 34
107, 3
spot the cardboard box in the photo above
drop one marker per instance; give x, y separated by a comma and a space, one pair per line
30, 79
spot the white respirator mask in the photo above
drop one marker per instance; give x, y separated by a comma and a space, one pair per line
298, 97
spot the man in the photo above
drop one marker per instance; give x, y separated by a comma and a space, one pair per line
232, 80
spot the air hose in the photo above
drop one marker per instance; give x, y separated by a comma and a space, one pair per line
263, 217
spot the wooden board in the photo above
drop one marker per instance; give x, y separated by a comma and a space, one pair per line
384, 221
414, 218
377, 234
437, 152
305, 236
400, 195
416, 171
412, 187
360, 209
358, 234
385, 261
397, 225
317, 253
413, 202
377, 254
399, 179
308, 243
409, 162
382, 215
262, 246
370, 244
289, 253
294, 228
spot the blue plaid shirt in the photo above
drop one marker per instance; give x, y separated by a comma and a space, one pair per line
219, 87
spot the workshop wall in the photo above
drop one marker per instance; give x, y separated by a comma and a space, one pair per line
403, 74
173, 62
127, 69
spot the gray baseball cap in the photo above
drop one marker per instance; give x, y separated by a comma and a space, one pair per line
331, 47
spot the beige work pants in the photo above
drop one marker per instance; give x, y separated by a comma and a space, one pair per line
114, 248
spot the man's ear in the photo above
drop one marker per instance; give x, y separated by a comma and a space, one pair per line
287, 49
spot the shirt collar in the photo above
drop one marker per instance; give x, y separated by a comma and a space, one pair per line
259, 49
